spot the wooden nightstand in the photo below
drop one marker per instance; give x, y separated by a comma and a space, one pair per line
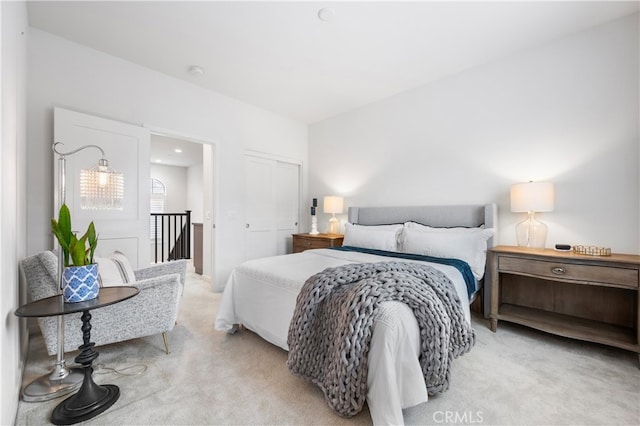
302, 242
593, 298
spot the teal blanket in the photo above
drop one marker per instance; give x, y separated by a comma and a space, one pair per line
460, 265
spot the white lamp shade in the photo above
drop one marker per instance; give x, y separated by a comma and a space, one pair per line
333, 204
532, 197
101, 188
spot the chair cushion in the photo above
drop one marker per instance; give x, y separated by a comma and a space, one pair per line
114, 270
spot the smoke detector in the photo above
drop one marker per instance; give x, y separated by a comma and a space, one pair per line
195, 70
326, 14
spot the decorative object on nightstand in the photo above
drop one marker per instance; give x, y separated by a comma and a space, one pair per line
333, 204
100, 188
302, 242
532, 197
314, 218
592, 250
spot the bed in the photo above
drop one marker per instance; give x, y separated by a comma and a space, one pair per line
261, 294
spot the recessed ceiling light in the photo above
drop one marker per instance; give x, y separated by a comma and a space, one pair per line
178, 150
195, 70
326, 14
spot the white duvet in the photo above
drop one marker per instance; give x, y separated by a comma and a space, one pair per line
261, 294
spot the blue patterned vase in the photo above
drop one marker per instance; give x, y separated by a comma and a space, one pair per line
80, 283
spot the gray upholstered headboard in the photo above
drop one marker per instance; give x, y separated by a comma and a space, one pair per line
437, 216
469, 216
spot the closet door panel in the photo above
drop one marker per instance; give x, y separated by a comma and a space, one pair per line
272, 203
260, 235
287, 205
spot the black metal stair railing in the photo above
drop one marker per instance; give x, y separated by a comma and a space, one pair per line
171, 234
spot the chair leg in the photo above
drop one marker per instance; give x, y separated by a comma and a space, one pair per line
166, 344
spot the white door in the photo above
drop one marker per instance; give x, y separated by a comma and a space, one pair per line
126, 147
287, 205
209, 229
272, 190
260, 238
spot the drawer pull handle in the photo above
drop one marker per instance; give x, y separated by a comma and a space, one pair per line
558, 270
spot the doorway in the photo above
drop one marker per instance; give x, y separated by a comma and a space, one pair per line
185, 166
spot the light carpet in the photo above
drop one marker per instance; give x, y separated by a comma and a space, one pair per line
516, 376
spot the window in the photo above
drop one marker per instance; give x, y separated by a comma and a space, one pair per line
158, 194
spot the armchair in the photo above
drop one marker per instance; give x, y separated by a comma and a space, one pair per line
154, 310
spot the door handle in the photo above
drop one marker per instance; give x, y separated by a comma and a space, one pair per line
247, 225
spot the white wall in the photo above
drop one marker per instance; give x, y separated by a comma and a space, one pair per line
195, 200
78, 78
194, 192
175, 181
565, 112
12, 204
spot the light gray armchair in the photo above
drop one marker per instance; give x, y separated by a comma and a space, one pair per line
153, 311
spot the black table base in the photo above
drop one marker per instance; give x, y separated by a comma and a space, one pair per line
92, 399
76, 409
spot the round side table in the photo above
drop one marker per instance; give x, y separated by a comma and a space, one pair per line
91, 399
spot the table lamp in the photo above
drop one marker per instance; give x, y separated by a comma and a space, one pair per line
532, 197
333, 204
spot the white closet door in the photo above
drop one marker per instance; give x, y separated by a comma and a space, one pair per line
287, 205
260, 238
272, 190
126, 148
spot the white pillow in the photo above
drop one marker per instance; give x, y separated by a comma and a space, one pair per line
468, 246
421, 227
379, 237
114, 270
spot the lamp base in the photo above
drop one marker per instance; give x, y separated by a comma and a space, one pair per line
531, 232
334, 225
59, 382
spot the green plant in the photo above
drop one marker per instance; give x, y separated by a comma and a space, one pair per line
75, 251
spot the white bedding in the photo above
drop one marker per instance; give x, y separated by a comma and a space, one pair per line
261, 294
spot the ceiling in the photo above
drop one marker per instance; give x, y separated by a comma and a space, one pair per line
280, 56
169, 151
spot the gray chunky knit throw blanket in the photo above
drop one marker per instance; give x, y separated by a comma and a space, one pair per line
332, 325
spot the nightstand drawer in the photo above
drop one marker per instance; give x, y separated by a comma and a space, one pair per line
302, 242
619, 277
309, 243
